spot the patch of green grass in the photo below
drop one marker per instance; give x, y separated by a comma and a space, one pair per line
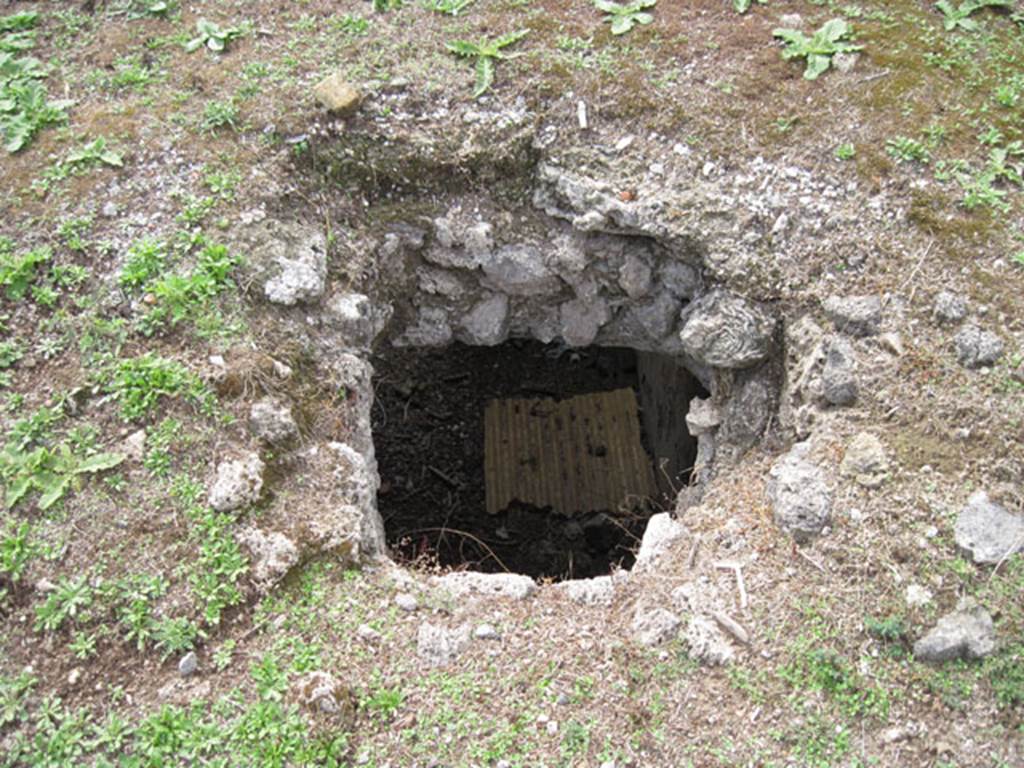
382, 701
219, 563
146, 259
130, 598
906, 150
138, 384
158, 446
72, 232
220, 114
140, 9
953, 683
11, 352
14, 692
821, 743
177, 298
16, 550
815, 668
78, 161
33, 429
175, 635
1005, 673
70, 600
18, 272
575, 743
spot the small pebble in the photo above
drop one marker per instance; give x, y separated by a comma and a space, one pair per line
188, 665
74, 675
368, 633
406, 602
486, 632
623, 143
552, 727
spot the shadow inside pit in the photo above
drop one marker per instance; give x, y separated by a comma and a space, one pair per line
531, 458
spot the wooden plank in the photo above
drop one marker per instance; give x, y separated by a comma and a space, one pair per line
577, 455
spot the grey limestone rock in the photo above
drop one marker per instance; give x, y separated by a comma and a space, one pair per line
965, 633
581, 320
486, 632
320, 692
865, 461
356, 318
986, 531
855, 315
655, 626
707, 643
439, 646
635, 276
746, 415
839, 374
300, 256
514, 586
520, 270
703, 416
801, 500
681, 280
487, 322
460, 243
949, 307
977, 348
661, 532
406, 602
596, 591
431, 329
273, 555
656, 316
271, 419
238, 483
725, 331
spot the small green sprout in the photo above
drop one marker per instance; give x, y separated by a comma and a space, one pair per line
486, 52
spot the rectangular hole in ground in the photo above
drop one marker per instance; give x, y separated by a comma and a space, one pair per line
528, 457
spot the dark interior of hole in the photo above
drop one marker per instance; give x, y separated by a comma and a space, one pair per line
428, 426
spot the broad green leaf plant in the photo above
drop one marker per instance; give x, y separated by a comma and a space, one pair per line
24, 105
51, 472
486, 52
742, 6
624, 17
213, 37
448, 7
959, 16
818, 49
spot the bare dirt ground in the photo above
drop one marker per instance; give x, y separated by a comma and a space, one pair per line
136, 337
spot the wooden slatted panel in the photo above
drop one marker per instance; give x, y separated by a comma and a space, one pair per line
581, 454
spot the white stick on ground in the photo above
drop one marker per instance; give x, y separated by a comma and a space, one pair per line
730, 625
